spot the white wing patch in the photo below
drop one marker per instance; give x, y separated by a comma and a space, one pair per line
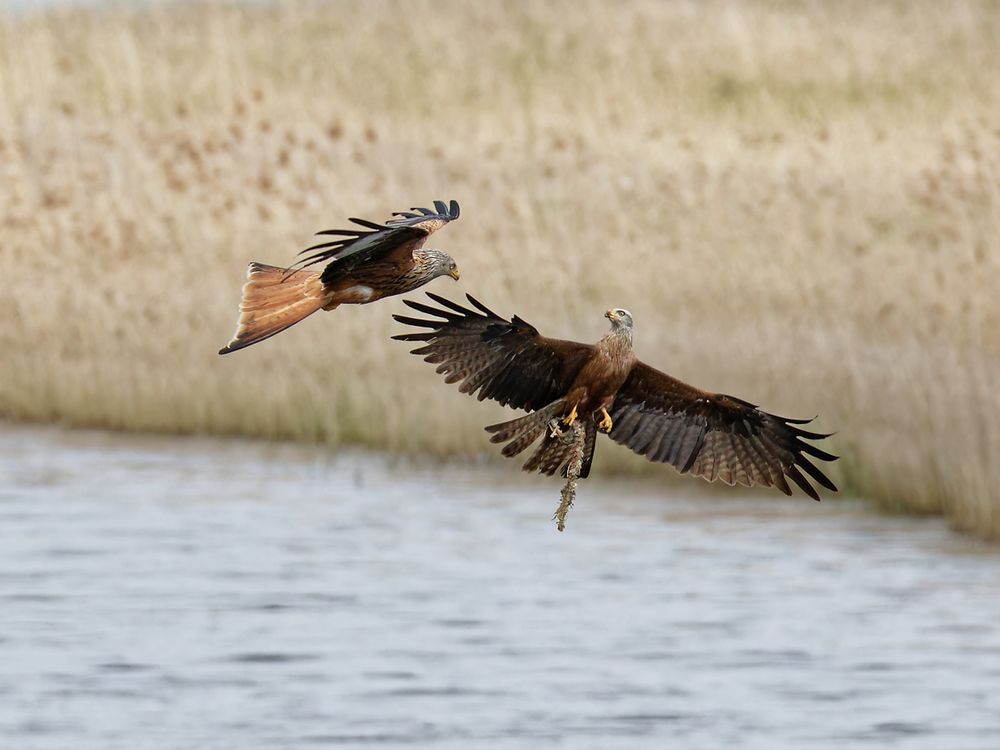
357, 294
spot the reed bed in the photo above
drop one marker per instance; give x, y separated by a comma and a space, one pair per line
799, 202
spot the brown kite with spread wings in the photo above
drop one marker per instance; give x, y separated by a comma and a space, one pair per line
607, 388
364, 266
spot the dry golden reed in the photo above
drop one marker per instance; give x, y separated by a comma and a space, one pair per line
799, 202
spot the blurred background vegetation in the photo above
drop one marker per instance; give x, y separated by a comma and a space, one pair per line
799, 201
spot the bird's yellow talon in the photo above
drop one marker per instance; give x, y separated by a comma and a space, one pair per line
605, 424
570, 418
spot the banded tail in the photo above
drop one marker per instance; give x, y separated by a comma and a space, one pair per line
552, 454
273, 300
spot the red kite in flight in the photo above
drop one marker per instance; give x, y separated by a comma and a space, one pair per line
607, 388
364, 266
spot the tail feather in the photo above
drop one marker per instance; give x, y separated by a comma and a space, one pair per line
553, 453
521, 432
273, 300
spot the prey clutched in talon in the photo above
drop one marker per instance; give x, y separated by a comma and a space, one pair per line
605, 424
557, 432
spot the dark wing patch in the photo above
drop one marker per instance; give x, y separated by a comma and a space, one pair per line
491, 357
714, 436
357, 246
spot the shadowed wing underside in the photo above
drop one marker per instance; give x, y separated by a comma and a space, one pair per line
714, 436
358, 246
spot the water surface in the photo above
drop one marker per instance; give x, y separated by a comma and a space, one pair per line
191, 593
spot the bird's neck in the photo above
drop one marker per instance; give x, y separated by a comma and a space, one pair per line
618, 342
426, 266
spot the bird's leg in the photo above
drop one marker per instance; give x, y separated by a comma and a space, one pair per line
605, 424
570, 418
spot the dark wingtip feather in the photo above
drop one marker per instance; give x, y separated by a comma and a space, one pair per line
338, 233
809, 435
480, 306
454, 209
418, 322
420, 307
428, 310
815, 452
408, 302
413, 337
793, 473
368, 224
444, 301
798, 421
322, 246
441, 208
816, 474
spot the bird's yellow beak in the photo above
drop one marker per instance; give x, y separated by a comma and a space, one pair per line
610, 315
455, 273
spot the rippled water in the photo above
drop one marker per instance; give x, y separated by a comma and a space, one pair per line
159, 593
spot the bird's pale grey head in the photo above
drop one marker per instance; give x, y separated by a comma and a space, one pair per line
620, 319
438, 263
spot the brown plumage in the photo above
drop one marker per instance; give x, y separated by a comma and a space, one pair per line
710, 435
364, 266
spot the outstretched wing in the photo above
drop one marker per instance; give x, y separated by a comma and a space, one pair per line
714, 436
356, 246
504, 360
